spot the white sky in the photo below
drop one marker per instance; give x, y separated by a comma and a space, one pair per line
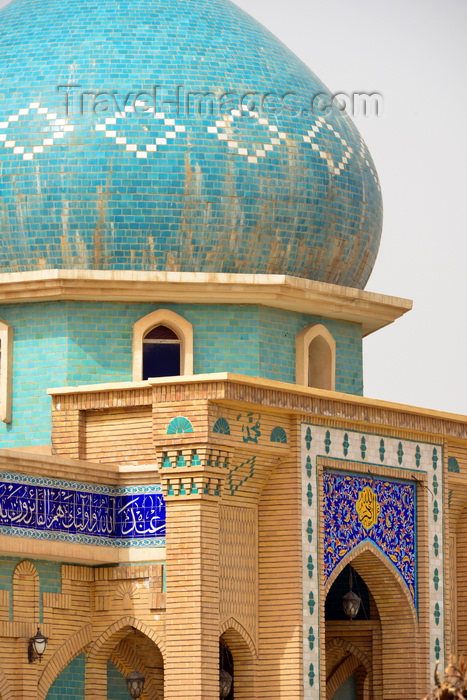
414, 53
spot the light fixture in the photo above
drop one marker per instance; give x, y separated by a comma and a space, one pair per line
135, 679
37, 646
351, 602
135, 684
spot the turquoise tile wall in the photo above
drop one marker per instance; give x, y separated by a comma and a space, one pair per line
116, 686
278, 328
49, 577
71, 343
70, 683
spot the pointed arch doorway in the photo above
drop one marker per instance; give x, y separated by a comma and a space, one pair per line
363, 655
125, 646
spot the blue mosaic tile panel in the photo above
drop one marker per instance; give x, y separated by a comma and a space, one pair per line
70, 511
357, 508
172, 179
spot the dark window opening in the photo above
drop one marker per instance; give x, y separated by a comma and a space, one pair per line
161, 353
226, 665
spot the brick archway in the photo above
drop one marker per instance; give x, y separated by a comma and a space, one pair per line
399, 630
113, 646
243, 652
353, 658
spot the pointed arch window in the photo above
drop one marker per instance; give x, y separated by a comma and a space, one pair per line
316, 357
162, 346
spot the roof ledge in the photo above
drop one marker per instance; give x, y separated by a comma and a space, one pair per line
372, 311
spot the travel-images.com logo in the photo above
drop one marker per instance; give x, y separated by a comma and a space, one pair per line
78, 100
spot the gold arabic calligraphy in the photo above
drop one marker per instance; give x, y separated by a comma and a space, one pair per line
368, 508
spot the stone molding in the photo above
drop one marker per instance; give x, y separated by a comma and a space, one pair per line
373, 311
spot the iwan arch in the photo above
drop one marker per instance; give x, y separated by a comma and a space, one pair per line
191, 480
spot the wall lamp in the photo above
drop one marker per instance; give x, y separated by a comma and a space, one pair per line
36, 647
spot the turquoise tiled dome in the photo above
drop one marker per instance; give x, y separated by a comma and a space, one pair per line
155, 186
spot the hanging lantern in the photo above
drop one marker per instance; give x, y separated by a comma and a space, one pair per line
351, 604
351, 601
225, 683
135, 684
135, 680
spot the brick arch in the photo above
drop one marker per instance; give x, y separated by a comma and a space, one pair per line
103, 646
63, 656
26, 586
368, 547
101, 651
125, 660
399, 624
244, 655
348, 666
232, 623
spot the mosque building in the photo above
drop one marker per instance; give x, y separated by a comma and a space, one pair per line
196, 499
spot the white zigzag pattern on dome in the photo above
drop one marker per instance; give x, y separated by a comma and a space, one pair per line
132, 147
319, 124
228, 135
223, 129
58, 134
279, 136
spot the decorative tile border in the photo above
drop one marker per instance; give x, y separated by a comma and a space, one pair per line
78, 485
366, 450
226, 130
69, 511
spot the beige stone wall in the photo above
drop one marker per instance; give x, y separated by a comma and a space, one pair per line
95, 613
234, 548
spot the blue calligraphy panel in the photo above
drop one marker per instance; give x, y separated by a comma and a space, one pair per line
358, 508
100, 513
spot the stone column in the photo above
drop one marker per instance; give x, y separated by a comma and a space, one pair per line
192, 480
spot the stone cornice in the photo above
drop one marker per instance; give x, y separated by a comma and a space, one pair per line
372, 311
272, 395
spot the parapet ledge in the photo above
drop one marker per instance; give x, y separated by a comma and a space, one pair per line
208, 382
57, 467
